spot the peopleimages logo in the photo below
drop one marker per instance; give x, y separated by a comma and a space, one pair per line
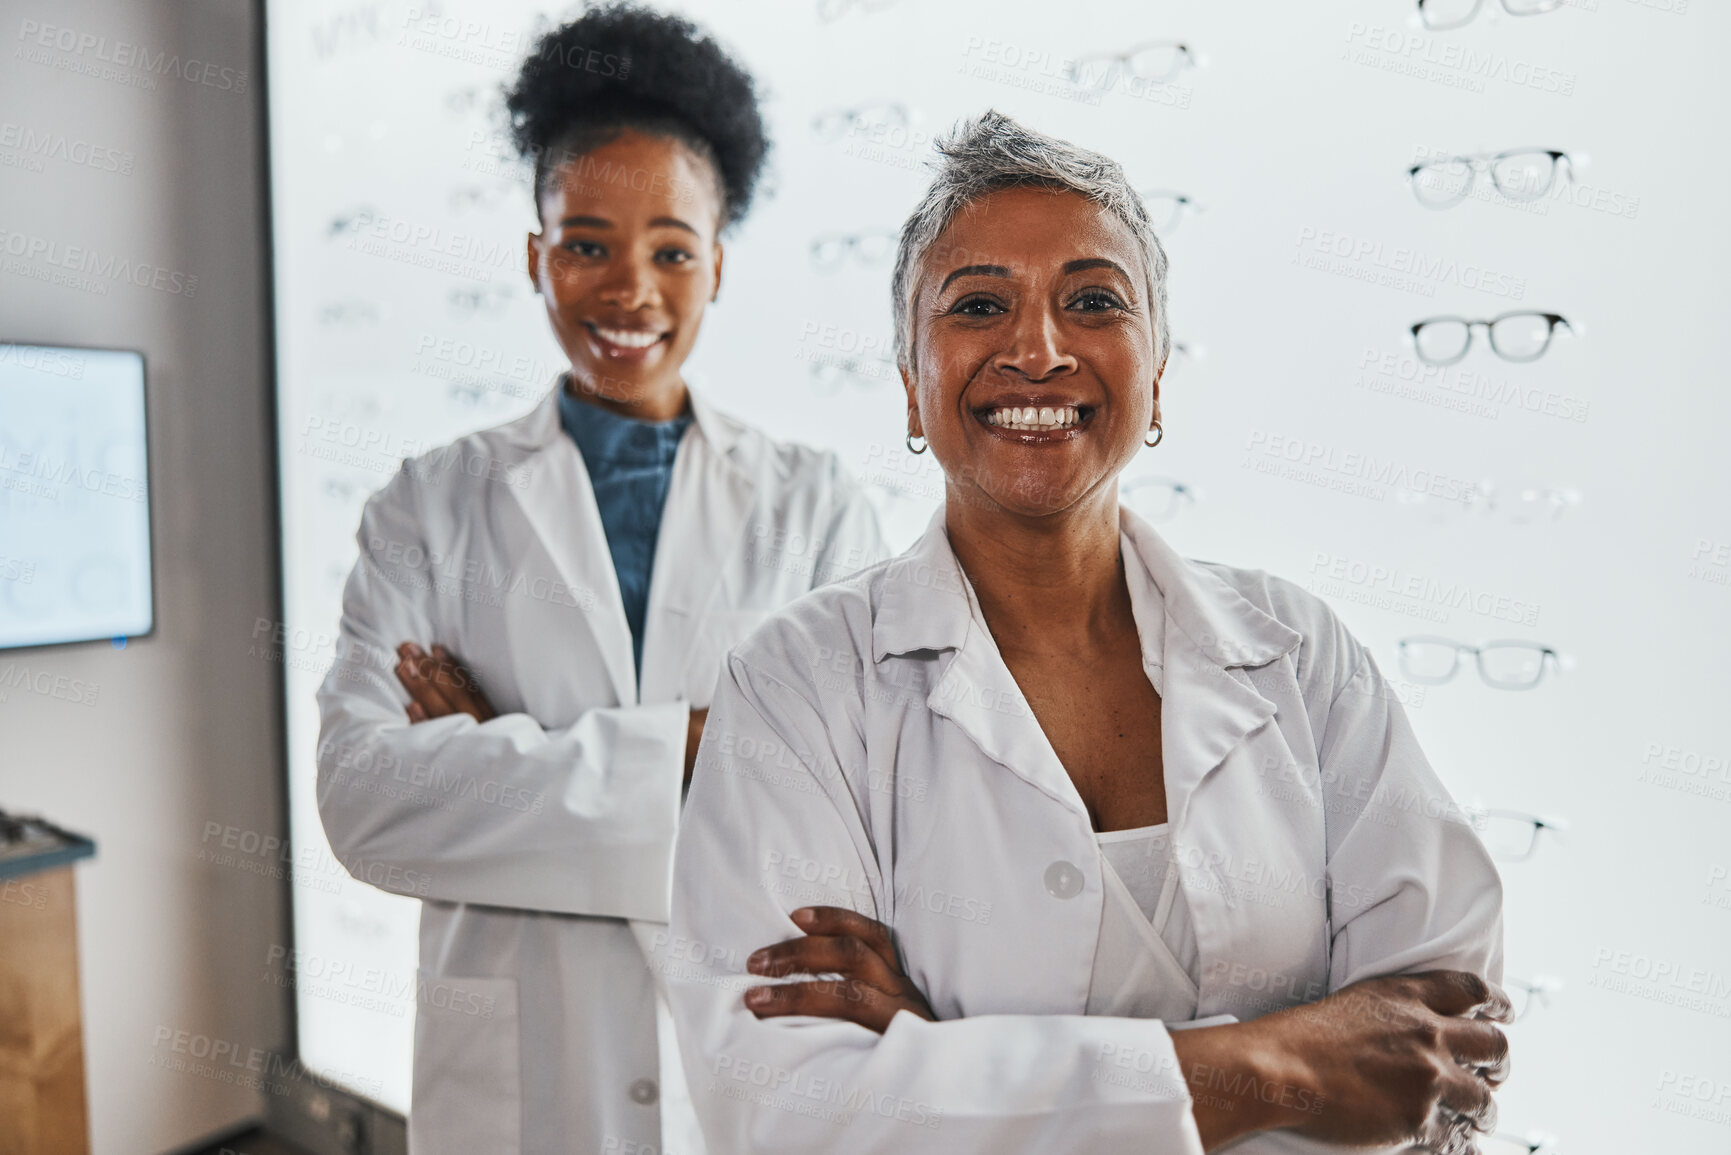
89, 51
79, 259
1401, 267
1347, 471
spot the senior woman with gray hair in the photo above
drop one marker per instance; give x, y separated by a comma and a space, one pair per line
1049, 839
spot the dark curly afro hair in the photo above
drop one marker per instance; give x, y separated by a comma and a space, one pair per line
620, 66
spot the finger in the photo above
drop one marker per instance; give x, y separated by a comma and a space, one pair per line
1478, 1045
421, 694
825, 954
1462, 993
457, 684
460, 686
416, 713
446, 656
1446, 1133
1466, 1095
1449, 1135
1498, 1008
410, 679
427, 689
824, 998
840, 921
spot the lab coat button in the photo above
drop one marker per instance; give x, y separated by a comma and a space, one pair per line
1063, 879
644, 1091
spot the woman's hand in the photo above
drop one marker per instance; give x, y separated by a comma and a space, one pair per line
871, 989
438, 685
1403, 1059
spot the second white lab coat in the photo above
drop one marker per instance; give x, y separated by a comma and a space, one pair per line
541, 840
868, 747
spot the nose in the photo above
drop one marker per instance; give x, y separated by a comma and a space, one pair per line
629, 285
1036, 348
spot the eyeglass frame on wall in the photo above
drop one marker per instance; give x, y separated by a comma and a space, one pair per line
1546, 654
1119, 62
1473, 13
1534, 822
1487, 161
1552, 319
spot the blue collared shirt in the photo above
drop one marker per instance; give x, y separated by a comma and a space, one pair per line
630, 465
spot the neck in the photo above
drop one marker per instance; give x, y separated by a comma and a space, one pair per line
1047, 583
654, 403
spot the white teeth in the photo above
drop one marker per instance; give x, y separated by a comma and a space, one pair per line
627, 338
1032, 418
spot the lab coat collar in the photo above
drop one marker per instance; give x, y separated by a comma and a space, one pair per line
540, 427
926, 603
1205, 634
709, 498
717, 428
1221, 622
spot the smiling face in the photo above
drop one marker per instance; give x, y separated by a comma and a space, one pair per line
1034, 376
626, 260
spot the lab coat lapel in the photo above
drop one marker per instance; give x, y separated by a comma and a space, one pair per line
1211, 633
559, 503
709, 499
928, 604
978, 693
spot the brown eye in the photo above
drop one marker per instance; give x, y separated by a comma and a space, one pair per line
976, 307
1096, 300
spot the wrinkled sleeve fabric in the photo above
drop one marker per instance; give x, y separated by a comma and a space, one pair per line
578, 820
1412, 886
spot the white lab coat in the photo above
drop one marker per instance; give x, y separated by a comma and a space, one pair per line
869, 747
541, 841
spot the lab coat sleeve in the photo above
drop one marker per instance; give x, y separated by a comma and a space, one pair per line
577, 820
1412, 887
767, 794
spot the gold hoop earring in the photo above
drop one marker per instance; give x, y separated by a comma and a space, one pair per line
1160, 435
910, 441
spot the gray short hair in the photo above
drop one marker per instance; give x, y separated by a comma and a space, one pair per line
993, 152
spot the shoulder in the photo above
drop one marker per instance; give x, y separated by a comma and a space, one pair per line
1327, 649
818, 644
1285, 601
449, 474
786, 463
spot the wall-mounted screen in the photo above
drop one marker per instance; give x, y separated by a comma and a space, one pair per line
74, 501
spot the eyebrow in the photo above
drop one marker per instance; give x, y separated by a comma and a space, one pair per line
1094, 263
1077, 266
974, 271
603, 223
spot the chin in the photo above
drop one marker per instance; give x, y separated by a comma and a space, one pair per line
592, 382
1026, 499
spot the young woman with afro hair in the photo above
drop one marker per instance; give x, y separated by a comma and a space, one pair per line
620, 539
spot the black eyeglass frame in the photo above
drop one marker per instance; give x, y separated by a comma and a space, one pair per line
1488, 162
1473, 14
1552, 320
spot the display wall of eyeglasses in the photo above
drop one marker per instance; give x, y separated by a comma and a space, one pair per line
1446, 299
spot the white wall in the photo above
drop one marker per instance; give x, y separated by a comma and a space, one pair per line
1295, 136
184, 732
